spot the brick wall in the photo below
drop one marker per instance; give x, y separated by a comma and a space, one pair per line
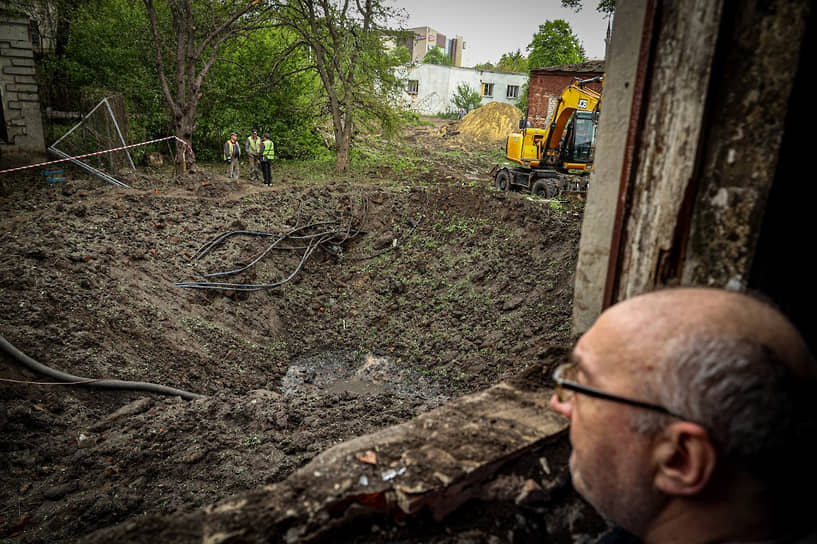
18, 86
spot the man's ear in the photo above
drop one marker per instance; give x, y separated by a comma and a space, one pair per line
684, 458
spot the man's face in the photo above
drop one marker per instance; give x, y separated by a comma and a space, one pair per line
610, 463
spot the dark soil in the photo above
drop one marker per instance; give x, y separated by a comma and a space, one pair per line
451, 287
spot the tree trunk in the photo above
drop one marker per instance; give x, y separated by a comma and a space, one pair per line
343, 143
185, 158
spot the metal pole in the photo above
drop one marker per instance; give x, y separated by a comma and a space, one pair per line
121, 138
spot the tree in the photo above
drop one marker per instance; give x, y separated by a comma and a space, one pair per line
555, 44
513, 62
484, 66
522, 102
436, 55
466, 97
345, 43
401, 55
198, 32
604, 6
276, 92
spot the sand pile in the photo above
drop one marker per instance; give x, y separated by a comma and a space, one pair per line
490, 123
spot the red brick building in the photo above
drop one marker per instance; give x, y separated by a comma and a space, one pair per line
546, 84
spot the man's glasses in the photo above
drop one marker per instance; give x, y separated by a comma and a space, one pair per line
566, 386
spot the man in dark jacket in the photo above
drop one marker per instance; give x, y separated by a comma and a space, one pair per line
267, 155
693, 418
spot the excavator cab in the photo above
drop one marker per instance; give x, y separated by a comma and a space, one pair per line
578, 146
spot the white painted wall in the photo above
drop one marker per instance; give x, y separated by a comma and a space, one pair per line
437, 85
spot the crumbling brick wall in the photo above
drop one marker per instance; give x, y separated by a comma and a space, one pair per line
22, 126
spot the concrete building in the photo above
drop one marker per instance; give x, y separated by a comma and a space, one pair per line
431, 87
21, 126
546, 84
425, 38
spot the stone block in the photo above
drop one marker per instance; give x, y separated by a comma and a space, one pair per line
17, 52
23, 88
18, 70
22, 61
15, 33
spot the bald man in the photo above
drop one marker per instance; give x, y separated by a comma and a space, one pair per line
692, 417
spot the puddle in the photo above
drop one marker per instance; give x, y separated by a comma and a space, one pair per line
363, 374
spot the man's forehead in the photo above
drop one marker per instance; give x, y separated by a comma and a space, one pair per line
623, 339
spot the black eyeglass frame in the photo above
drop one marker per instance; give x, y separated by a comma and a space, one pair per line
599, 394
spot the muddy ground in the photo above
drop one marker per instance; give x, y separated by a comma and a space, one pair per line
433, 286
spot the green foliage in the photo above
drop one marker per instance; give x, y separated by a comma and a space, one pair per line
484, 66
241, 93
604, 6
436, 55
106, 51
345, 41
109, 50
466, 97
554, 45
263, 77
522, 102
400, 55
513, 62
411, 118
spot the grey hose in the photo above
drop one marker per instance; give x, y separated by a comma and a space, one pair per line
31, 364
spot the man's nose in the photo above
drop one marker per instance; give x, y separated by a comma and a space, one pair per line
565, 408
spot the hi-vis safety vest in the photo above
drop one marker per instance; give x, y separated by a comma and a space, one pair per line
269, 150
253, 145
231, 150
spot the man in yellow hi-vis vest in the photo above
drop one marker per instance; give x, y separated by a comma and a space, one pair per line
253, 149
267, 154
232, 151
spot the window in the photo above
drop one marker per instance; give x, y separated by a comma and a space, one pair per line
413, 86
512, 91
487, 89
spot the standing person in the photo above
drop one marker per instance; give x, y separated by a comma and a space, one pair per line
232, 151
267, 155
253, 149
693, 419
461, 113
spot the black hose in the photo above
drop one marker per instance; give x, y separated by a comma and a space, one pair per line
313, 245
40, 368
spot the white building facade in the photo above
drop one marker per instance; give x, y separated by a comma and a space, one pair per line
430, 88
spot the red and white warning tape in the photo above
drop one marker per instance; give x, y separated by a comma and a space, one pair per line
92, 154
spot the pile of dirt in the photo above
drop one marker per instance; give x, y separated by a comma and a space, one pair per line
446, 290
490, 123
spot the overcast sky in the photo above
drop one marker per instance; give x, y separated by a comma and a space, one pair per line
493, 27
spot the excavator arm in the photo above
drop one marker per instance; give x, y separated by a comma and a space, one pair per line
574, 98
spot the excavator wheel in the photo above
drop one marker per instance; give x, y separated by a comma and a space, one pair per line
503, 180
546, 188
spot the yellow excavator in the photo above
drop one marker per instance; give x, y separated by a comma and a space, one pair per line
558, 158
